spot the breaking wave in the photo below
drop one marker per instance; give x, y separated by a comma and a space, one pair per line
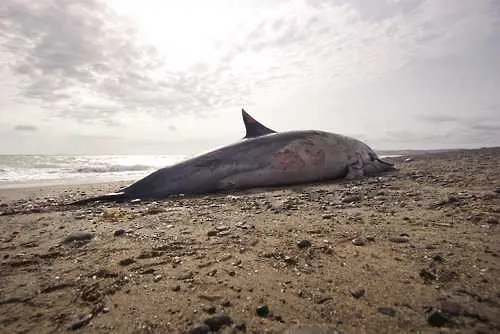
112, 169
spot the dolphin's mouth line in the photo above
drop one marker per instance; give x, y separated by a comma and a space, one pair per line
385, 162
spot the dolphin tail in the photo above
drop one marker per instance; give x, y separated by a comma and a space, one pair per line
119, 196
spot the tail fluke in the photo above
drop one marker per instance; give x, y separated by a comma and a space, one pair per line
119, 196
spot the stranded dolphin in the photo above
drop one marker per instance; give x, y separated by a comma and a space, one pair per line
264, 158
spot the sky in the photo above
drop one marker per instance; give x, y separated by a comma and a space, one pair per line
171, 77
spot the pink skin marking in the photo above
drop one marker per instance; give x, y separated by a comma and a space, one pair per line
316, 158
289, 160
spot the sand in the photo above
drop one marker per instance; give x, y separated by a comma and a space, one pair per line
416, 250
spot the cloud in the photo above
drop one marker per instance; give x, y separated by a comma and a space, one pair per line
25, 128
96, 67
437, 118
71, 54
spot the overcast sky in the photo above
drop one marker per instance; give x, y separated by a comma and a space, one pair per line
128, 76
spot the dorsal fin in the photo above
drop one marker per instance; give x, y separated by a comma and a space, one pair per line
254, 128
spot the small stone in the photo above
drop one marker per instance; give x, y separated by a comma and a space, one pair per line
222, 228
126, 262
436, 318
360, 241
218, 321
427, 275
304, 244
262, 311
312, 329
78, 236
210, 309
387, 311
157, 278
155, 210
185, 275
451, 308
438, 258
290, 260
492, 221
242, 327
176, 288
358, 293
212, 233
119, 232
199, 329
370, 238
399, 239
351, 198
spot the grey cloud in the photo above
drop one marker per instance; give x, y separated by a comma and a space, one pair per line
382, 9
438, 118
62, 45
25, 127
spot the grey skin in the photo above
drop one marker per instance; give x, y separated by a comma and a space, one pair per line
265, 158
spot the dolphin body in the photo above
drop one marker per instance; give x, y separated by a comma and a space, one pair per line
264, 158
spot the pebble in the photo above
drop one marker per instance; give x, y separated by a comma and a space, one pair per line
427, 275
199, 329
185, 275
436, 318
351, 198
157, 278
176, 288
210, 309
399, 239
78, 236
212, 233
262, 311
312, 329
492, 221
119, 232
218, 321
127, 261
155, 210
358, 293
360, 241
387, 311
451, 308
304, 244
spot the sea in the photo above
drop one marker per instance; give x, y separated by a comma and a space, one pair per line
37, 170
26, 170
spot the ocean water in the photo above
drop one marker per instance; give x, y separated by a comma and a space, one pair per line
25, 170
20, 170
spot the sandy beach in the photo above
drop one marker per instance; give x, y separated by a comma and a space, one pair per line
415, 250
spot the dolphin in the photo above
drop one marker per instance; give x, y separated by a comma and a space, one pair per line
263, 158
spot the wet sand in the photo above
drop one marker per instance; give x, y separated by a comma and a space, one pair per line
416, 250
